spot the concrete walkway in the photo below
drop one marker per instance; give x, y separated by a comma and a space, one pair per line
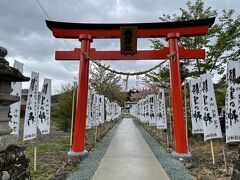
129, 157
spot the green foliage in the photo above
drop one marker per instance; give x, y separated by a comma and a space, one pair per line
220, 91
221, 43
62, 110
107, 84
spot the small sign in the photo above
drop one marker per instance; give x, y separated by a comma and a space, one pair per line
128, 40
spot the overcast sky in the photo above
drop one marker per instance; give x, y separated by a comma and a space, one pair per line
24, 33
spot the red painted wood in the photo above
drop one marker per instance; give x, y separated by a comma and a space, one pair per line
81, 105
176, 90
142, 33
101, 31
141, 55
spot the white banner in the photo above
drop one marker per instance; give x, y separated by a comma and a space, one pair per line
112, 110
232, 106
152, 113
145, 110
30, 122
97, 109
196, 105
161, 110
141, 110
16, 107
88, 119
147, 113
211, 124
101, 109
44, 108
108, 110
93, 108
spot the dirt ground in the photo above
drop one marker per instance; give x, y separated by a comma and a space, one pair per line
201, 165
52, 149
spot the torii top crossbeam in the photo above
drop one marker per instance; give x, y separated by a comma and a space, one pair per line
145, 30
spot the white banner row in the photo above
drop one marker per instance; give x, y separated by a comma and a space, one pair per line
152, 110
99, 109
38, 106
204, 112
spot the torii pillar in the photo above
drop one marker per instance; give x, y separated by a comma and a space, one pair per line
80, 122
181, 148
169, 30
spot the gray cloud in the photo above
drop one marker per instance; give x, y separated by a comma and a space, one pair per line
24, 33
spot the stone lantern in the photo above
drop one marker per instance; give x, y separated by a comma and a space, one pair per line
10, 153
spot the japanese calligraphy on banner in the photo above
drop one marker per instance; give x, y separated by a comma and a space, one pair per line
16, 90
152, 116
196, 105
101, 109
96, 109
44, 108
232, 106
112, 110
108, 110
88, 119
30, 122
147, 113
211, 124
93, 108
161, 110
141, 110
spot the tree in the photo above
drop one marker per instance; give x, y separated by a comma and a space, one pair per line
62, 109
107, 84
221, 43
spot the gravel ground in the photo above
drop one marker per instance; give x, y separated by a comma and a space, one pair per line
89, 165
173, 167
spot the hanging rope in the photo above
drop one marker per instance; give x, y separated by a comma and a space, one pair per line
124, 73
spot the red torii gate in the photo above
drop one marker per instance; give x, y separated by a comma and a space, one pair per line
172, 31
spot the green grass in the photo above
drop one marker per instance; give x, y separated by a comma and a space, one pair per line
43, 150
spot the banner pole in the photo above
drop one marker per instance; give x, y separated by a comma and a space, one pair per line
170, 116
167, 142
224, 156
35, 159
212, 151
170, 123
72, 120
185, 104
96, 129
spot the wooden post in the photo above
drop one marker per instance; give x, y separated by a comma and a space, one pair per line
35, 159
185, 108
212, 150
170, 125
96, 131
167, 142
224, 156
72, 120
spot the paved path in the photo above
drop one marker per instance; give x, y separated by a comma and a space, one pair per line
129, 157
